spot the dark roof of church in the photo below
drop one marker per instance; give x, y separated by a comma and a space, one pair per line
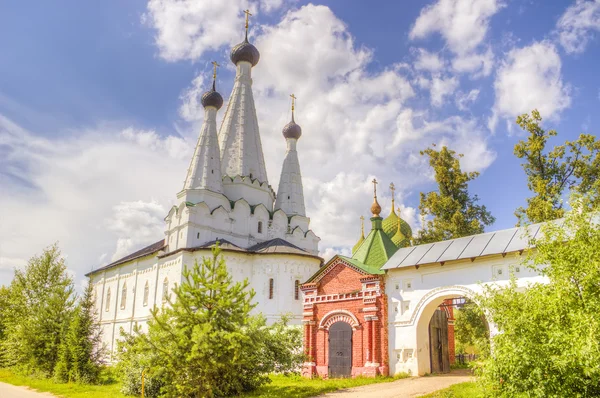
276, 245
151, 249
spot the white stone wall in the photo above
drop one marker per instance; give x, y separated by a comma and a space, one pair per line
414, 294
284, 269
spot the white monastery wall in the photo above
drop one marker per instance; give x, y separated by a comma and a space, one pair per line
414, 294
259, 269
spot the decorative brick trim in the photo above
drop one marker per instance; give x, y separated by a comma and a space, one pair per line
338, 316
369, 309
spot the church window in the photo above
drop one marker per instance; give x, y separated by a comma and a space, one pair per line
107, 300
146, 293
296, 289
271, 288
198, 235
165, 290
124, 296
260, 227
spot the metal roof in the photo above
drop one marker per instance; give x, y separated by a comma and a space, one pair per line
489, 243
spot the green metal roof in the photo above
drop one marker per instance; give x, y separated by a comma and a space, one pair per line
377, 247
367, 268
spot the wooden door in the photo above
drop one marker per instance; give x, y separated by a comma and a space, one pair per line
340, 350
438, 342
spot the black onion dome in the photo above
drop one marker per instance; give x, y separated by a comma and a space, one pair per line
212, 98
292, 130
245, 51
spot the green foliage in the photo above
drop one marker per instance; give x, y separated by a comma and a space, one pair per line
574, 165
549, 344
206, 343
4, 309
471, 330
454, 212
81, 350
40, 305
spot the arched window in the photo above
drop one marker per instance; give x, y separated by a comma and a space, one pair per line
107, 307
146, 293
296, 289
271, 283
260, 227
124, 296
165, 290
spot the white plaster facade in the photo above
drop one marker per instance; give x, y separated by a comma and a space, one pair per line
144, 282
414, 293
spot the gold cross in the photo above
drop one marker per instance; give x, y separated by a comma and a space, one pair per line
293, 101
393, 189
375, 186
247, 12
215, 64
362, 225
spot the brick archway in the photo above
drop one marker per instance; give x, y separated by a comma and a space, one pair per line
338, 316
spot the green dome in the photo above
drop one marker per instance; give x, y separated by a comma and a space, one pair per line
390, 227
400, 240
390, 224
357, 245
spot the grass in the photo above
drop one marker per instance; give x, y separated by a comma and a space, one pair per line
469, 389
69, 390
280, 386
298, 386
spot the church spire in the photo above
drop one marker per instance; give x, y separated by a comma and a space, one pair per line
205, 168
239, 137
290, 196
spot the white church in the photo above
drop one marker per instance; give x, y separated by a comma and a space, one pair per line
226, 197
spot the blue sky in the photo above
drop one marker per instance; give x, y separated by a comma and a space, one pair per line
99, 106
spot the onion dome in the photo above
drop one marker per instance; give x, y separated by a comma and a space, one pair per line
292, 130
245, 51
212, 98
403, 234
390, 223
362, 235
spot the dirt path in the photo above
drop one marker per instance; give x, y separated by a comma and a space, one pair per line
405, 388
10, 391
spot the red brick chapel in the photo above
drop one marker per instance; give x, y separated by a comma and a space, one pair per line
345, 306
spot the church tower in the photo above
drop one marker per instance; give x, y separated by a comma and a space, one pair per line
290, 195
242, 159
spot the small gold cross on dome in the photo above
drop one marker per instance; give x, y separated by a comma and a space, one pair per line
375, 186
215, 65
248, 15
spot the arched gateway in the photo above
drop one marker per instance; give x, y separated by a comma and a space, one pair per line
420, 278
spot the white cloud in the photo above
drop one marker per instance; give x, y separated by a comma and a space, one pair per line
191, 107
463, 100
82, 191
136, 223
464, 25
441, 88
188, 28
577, 25
428, 61
530, 78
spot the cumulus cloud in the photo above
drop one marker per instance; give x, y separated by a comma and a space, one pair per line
463, 100
530, 78
463, 24
577, 26
185, 29
87, 191
428, 61
441, 88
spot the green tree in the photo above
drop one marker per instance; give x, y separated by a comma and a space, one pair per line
4, 310
471, 329
81, 350
548, 345
450, 212
551, 174
206, 343
40, 307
